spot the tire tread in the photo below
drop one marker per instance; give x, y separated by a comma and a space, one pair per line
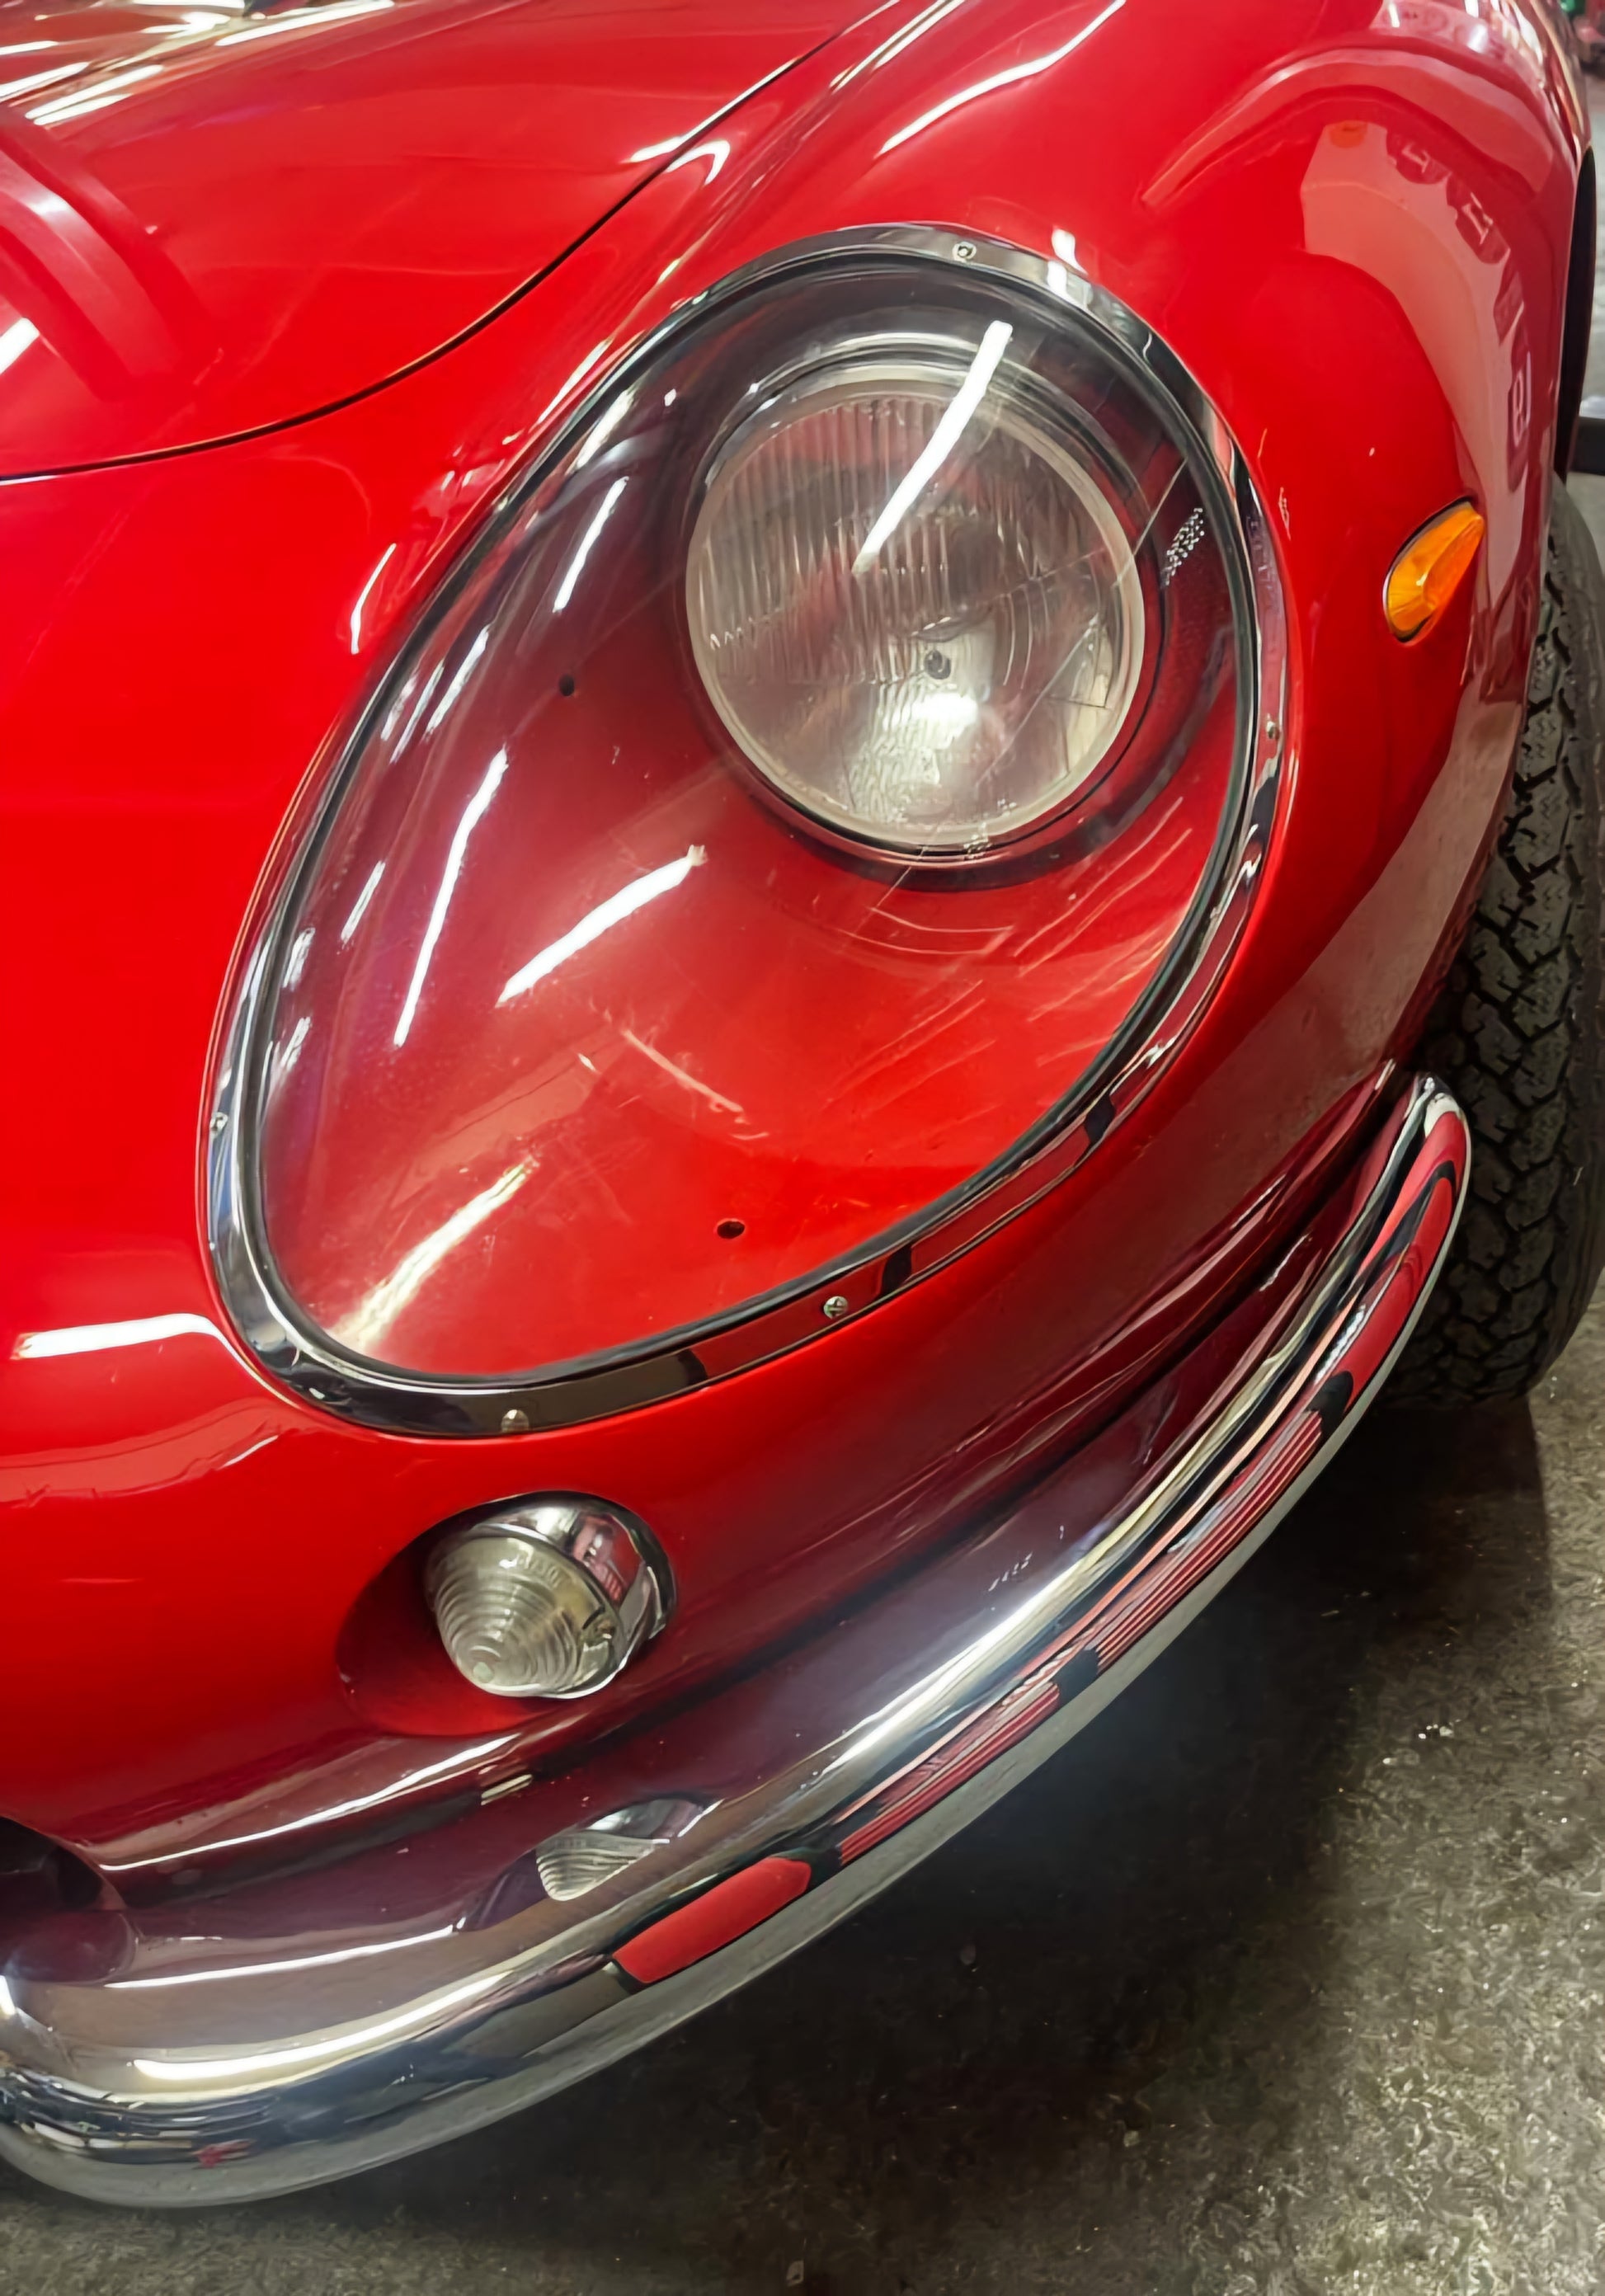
1518, 1031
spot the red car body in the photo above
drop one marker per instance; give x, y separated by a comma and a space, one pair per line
300, 295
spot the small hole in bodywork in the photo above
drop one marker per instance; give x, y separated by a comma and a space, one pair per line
565, 685
730, 1229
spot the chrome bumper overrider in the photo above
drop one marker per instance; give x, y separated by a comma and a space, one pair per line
298, 2027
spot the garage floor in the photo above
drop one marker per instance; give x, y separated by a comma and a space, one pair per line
1286, 1979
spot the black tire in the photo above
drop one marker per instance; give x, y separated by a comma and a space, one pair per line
1519, 1033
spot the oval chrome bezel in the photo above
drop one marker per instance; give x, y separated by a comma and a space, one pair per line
291, 1349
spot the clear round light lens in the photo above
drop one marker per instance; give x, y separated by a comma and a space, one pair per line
548, 1602
913, 603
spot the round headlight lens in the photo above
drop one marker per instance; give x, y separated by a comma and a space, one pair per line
913, 604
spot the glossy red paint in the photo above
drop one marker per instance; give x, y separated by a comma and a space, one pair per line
1353, 233
216, 220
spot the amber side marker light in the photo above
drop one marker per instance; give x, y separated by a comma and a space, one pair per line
1430, 568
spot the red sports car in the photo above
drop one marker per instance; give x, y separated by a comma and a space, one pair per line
802, 811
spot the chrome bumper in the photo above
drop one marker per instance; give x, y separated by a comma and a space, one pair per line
298, 2028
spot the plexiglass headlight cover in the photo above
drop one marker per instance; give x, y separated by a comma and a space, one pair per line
584, 1058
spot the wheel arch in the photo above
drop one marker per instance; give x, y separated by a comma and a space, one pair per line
1576, 327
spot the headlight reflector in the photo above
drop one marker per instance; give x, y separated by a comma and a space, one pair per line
913, 604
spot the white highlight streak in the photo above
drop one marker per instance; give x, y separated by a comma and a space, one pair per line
610, 912
57, 72
367, 1325
366, 594
459, 1761
1015, 72
576, 564
578, 376
681, 1076
716, 150
473, 812
15, 340
460, 677
360, 907
275, 1968
944, 439
333, 2044
75, 103
91, 1338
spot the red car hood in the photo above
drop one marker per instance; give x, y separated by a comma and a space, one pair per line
211, 220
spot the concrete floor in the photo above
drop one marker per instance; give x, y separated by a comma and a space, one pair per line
1286, 1979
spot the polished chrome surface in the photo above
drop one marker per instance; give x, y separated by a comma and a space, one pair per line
377, 1395
287, 2032
580, 1858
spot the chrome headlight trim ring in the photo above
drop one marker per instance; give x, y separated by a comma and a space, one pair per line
373, 1394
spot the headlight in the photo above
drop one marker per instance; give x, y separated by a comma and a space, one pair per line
791, 816
912, 601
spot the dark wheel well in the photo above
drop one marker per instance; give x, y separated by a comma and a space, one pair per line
1578, 319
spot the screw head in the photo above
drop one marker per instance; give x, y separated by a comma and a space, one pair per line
1273, 732
964, 250
515, 1422
835, 1305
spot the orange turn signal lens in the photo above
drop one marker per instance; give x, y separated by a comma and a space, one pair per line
1429, 570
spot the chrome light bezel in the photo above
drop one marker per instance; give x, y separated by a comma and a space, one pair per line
894, 357
612, 1554
375, 1394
